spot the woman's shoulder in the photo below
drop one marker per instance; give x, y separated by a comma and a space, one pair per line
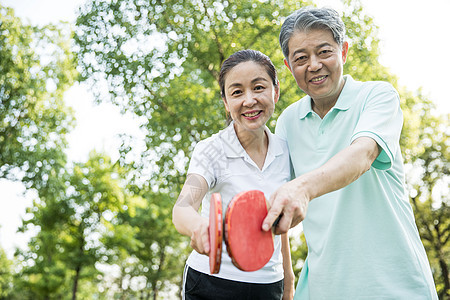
279, 141
214, 144
217, 138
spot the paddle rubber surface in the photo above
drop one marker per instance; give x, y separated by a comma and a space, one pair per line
249, 247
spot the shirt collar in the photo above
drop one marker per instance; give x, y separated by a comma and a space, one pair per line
233, 148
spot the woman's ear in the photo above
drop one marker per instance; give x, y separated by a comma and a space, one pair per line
225, 104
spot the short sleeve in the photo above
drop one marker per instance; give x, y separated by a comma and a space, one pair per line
381, 119
202, 161
280, 129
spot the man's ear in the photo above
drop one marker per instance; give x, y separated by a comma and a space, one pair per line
344, 51
277, 92
287, 65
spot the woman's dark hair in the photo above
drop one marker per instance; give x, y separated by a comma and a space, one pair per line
244, 56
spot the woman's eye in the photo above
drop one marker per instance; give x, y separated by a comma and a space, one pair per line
236, 92
259, 87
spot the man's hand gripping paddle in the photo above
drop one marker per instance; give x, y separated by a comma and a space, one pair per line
249, 247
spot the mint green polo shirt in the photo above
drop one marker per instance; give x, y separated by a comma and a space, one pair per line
362, 240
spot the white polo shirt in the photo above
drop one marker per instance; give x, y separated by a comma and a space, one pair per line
229, 170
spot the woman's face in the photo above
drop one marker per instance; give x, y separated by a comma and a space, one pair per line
250, 96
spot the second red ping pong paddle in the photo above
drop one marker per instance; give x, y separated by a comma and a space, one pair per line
249, 247
215, 233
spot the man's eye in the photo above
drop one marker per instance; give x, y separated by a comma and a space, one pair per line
300, 59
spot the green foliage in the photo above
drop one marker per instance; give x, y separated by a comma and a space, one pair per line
6, 279
174, 86
150, 250
70, 217
36, 67
299, 251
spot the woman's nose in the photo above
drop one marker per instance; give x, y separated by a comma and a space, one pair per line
250, 99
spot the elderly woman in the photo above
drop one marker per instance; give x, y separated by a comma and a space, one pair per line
244, 156
349, 190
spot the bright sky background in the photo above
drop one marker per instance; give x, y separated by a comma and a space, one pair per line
414, 45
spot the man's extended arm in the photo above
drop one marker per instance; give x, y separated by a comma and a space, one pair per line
292, 198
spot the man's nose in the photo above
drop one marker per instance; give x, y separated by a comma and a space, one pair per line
315, 64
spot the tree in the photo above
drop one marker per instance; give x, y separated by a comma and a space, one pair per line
96, 194
72, 216
36, 68
160, 255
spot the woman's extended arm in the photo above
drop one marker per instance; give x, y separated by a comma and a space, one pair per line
185, 214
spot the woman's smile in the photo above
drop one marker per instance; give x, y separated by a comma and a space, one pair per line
251, 115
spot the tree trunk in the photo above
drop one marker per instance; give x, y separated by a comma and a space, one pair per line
445, 276
180, 286
439, 248
75, 283
162, 258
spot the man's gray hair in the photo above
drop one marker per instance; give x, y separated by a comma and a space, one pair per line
309, 18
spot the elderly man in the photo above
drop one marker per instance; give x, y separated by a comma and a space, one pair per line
349, 191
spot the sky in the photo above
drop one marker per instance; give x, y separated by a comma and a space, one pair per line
414, 43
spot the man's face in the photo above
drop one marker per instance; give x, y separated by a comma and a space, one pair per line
316, 61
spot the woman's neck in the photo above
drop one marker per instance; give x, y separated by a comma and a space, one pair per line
256, 144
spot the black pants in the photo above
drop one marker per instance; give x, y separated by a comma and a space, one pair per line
201, 286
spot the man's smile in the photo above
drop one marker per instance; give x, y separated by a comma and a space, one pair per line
318, 79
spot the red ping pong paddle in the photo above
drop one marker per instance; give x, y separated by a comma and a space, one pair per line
248, 246
215, 233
